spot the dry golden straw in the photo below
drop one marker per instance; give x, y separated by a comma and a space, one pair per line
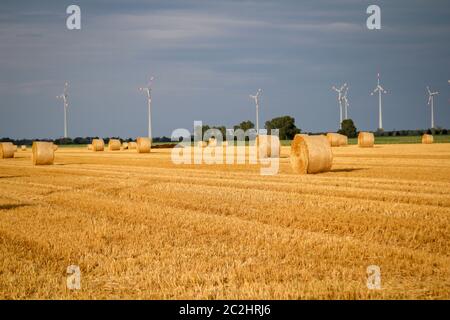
23, 148
89, 146
144, 144
311, 154
6, 150
366, 139
132, 145
114, 145
427, 139
125, 145
268, 146
15, 148
98, 145
43, 153
55, 147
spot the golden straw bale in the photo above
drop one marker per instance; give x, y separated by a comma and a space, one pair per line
89, 146
427, 139
343, 140
114, 144
98, 145
132, 145
334, 139
366, 139
55, 147
23, 147
6, 150
144, 144
311, 154
43, 153
268, 146
15, 148
125, 145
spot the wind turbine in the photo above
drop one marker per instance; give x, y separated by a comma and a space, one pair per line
431, 103
148, 91
380, 90
340, 100
65, 98
256, 98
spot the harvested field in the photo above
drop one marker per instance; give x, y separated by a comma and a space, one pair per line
141, 227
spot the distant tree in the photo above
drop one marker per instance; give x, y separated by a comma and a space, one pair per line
444, 131
348, 128
63, 141
245, 125
286, 125
222, 129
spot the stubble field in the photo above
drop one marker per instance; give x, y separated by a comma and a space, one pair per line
141, 227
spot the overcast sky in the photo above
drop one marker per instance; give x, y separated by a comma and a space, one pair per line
208, 56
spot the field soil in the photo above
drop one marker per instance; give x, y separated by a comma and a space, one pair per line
140, 227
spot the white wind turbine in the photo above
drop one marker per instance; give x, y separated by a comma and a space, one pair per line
65, 98
256, 98
340, 92
431, 103
380, 90
148, 91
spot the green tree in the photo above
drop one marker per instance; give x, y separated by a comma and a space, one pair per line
286, 125
245, 125
348, 128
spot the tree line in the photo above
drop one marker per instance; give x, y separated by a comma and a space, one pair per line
285, 124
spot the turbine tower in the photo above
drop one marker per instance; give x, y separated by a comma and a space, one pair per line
340, 92
380, 90
148, 91
345, 101
256, 98
431, 103
65, 98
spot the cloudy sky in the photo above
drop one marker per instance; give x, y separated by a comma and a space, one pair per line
208, 56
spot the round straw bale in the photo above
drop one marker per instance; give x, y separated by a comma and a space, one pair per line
98, 145
23, 147
366, 139
55, 147
114, 144
125, 145
6, 150
43, 153
144, 144
334, 139
311, 154
343, 140
427, 139
132, 145
89, 146
268, 146
15, 148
